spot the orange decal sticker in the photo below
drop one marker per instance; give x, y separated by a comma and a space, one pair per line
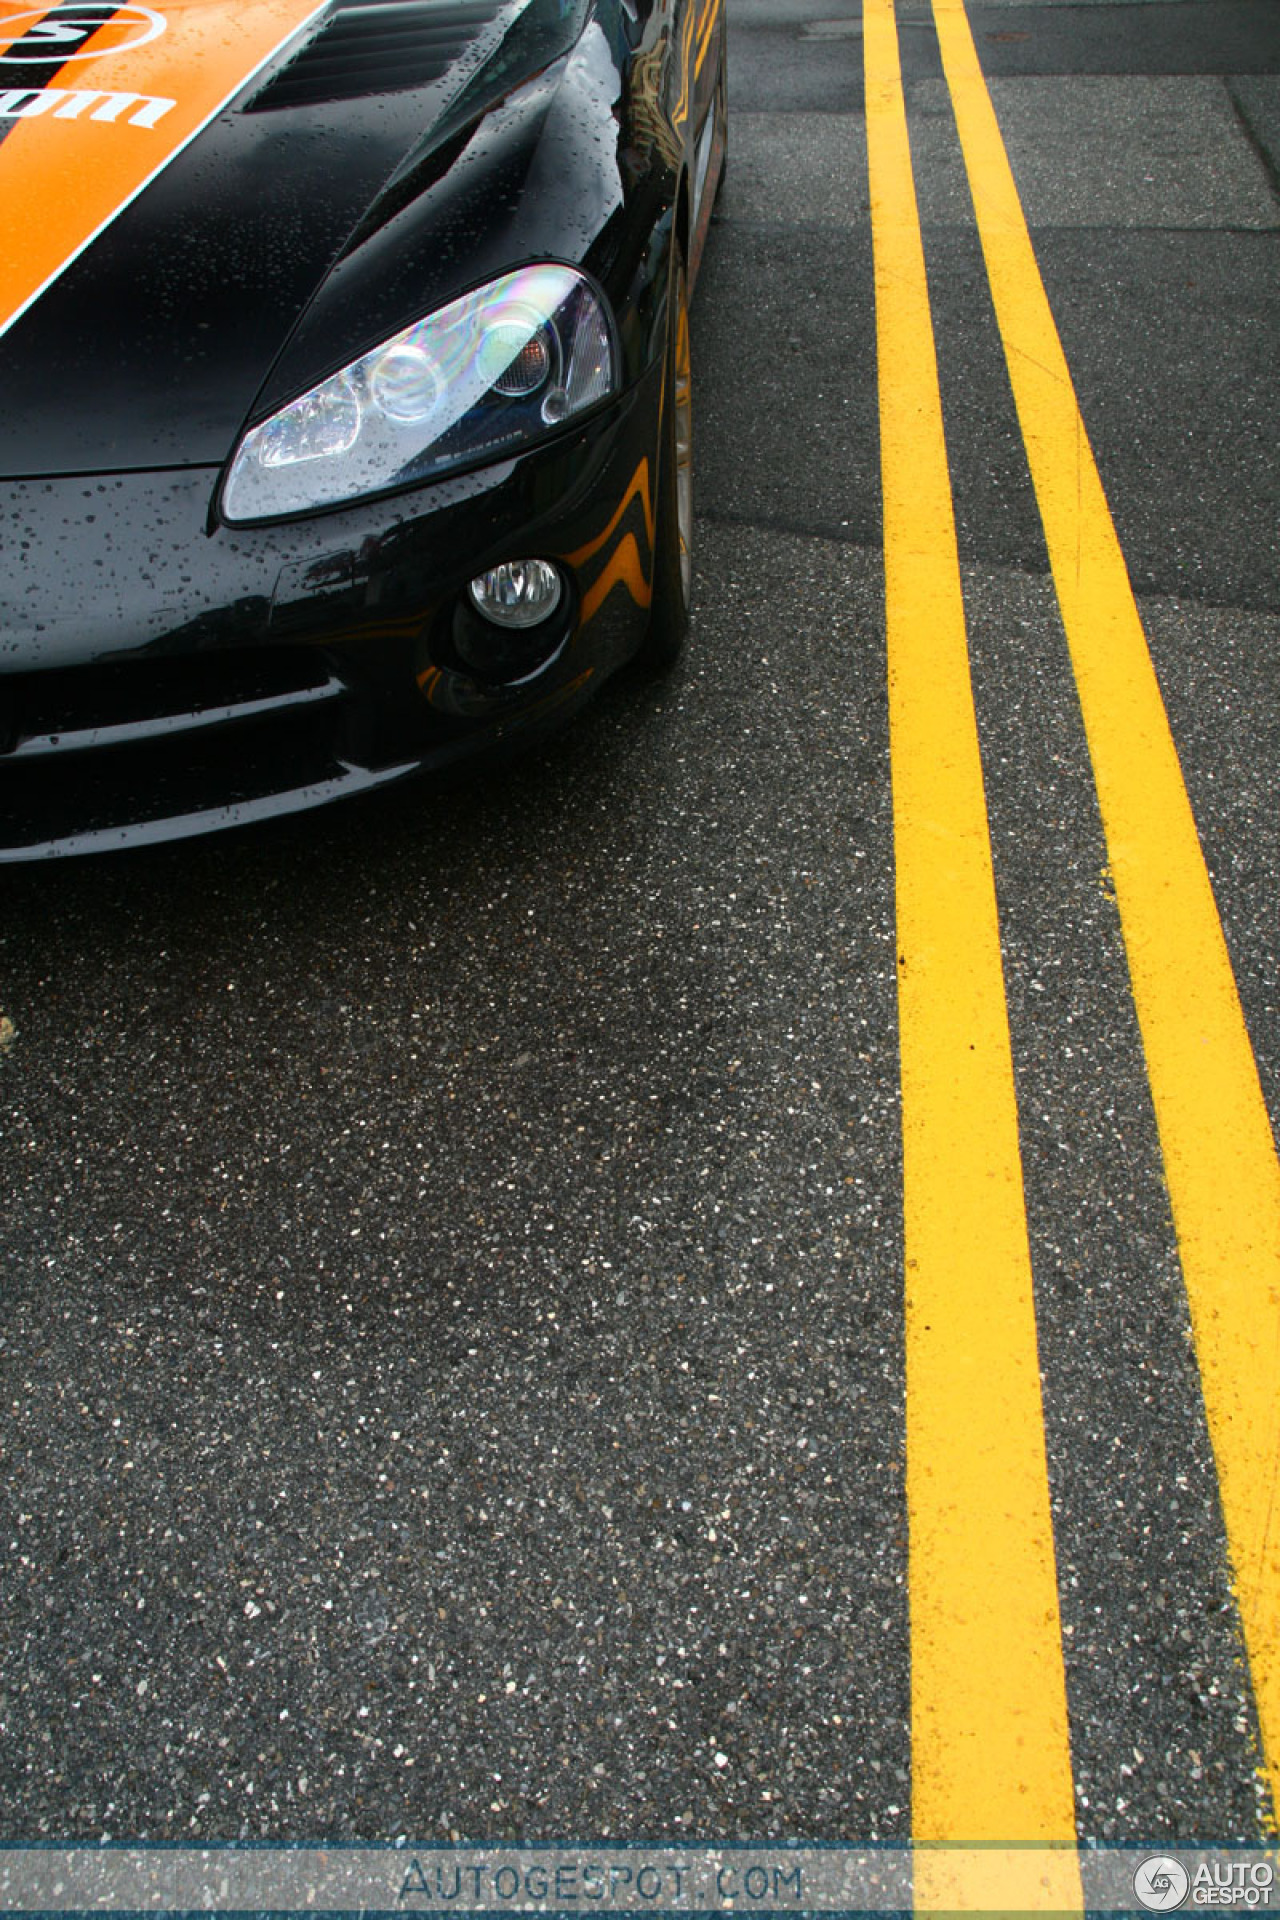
637, 489
624, 570
704, 33
117, 92
681, 112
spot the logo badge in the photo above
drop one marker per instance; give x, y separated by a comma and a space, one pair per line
38, 37
1162, 1883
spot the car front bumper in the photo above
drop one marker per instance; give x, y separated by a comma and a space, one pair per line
163, 675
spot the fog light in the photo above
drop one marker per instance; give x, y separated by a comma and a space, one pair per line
519, 593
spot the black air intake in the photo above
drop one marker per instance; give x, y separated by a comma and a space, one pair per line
376, 46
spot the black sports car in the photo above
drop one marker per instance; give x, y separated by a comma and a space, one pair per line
344, 352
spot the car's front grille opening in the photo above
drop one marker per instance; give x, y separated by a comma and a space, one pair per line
90, 754
126, 703
89, 799
156, 747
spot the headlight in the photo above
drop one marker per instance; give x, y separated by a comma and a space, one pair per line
492, 372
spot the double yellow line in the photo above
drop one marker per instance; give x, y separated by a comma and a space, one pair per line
992, 1766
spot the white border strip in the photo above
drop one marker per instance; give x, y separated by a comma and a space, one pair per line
583, 1880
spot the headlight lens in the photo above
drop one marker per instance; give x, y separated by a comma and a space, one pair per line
489, 373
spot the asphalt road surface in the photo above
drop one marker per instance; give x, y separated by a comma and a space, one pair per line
453, 1355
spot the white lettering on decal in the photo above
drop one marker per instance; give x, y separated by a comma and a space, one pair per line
52, 32
48, 37
137, 109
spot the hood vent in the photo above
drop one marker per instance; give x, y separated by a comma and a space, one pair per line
376, 46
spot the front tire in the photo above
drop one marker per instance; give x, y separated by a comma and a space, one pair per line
672, 596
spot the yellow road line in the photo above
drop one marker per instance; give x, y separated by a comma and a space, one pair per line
1219, 1154
991, 1752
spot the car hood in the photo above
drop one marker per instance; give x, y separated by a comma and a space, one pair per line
200, 240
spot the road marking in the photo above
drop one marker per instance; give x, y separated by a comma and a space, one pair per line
991, 1750
1219, 1153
